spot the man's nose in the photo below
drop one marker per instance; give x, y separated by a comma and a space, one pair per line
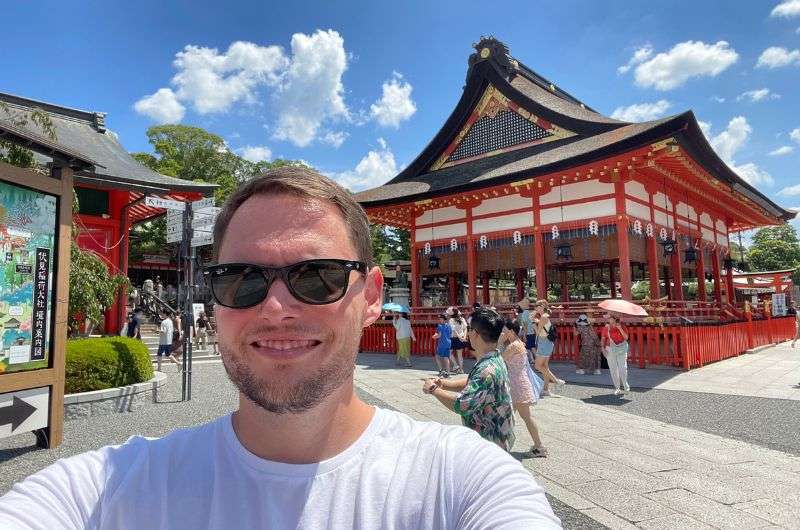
279, 302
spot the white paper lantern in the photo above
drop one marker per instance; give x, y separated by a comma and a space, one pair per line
554, 232
483, 242
649, 230
453, 245
427, 248
517, 235
663, 234
637, 227
594, 227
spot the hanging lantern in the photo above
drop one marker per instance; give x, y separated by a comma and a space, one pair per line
453, 245
594, 227
564, 252
663, 234
427, 248
433, 262
690, 255
483, 242
637, 227
649, 230
670, 247
554, 232
517, 236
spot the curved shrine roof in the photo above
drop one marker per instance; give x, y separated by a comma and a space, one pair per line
562, 132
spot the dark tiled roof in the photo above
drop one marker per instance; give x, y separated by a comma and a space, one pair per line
84, 132
45, 146
529, 161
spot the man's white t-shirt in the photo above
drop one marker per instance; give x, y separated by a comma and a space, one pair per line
400, 474
403, 328
165, 332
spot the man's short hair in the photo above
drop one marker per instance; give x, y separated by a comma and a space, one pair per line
487, 323
304, 183
513, 325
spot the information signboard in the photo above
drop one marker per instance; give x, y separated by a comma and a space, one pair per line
27, 236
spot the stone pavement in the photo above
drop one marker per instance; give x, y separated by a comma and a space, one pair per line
624, 470
773, 372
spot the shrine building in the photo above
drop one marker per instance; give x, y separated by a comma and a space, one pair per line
111, 194
526, 188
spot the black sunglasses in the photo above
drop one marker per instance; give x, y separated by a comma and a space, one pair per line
314, 281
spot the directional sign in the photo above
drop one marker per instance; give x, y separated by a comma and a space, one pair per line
202, 204
202, 238
158, 202
24, 411
205, 217
174, 236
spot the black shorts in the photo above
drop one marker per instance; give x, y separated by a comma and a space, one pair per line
456, 344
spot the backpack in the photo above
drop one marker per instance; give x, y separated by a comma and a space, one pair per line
551, 333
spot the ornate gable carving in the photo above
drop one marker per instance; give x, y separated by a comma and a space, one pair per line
497, 125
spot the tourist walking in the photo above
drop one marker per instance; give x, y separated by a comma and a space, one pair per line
483, 398
615, 348
793, 309
177, 339
522, 394
201, 329
134, 327
165, 331
294, 286
159, 287
443, 345
404, 334
589, 357
458, 328
545, 343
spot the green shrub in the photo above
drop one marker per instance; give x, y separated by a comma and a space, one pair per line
108, 362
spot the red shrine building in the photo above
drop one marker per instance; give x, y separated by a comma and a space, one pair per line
112, 195
526, 186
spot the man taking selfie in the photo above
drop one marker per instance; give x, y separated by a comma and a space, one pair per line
294, 286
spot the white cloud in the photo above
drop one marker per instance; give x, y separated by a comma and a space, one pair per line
255, 153
718, 99
395, 105
161, 107
374, 169
775, 57
641, 111
795, 135
706, 128
312, 91
760, 94
639, 56
786, 9
783, 150
671, 69
729, 142
334, 138
214, 81
791, 191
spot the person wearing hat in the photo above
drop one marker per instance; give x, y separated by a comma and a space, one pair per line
589, 358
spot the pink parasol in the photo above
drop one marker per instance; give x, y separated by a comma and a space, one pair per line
622, 306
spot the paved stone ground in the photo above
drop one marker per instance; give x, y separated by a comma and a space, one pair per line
773, 372
625, 470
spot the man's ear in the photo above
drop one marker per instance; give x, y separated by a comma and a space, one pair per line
373, 295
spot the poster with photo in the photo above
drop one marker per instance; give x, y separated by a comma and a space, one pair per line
27, 249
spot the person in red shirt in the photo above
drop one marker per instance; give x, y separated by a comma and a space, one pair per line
615, 348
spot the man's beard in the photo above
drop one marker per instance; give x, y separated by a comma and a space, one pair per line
274, 394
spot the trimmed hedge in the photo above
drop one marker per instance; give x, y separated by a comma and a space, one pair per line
107, 362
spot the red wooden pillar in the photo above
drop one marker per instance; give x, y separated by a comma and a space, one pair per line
622, 242
415, 279
715, 271
519, 277
700, 267
485, 290
652, 267
729, 286
676, 261
451, 289
541, 274
472, 274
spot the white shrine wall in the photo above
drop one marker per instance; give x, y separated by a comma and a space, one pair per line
502, 204
579, 190
502, 222
576, 212
441, 232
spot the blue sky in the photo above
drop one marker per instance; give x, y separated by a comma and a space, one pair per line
358, 88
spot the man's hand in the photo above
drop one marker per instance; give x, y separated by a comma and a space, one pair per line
429, 384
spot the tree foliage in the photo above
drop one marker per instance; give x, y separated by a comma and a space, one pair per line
389, 244
18, 155
775, 248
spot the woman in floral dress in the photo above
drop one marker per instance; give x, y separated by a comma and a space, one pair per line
522, 395
589, 359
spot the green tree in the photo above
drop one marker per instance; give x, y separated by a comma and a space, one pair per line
775, 248
18, 155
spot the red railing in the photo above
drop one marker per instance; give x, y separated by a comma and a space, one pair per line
682, 346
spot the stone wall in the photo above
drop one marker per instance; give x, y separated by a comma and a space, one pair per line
113, 400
